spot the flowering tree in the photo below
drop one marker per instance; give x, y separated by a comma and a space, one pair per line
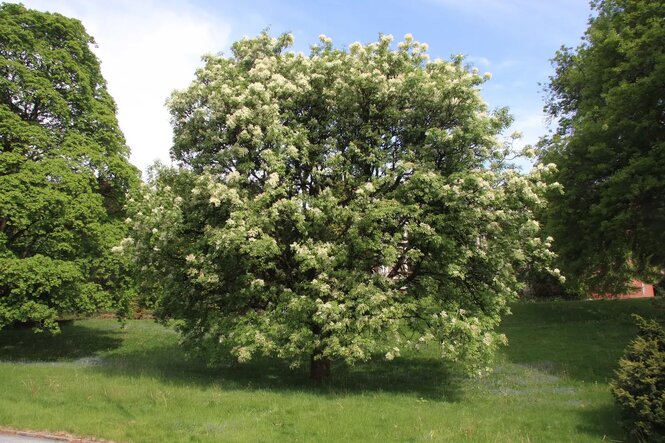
336, 206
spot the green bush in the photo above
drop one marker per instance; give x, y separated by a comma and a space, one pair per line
639, 388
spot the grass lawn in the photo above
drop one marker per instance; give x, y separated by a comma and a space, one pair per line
135, 384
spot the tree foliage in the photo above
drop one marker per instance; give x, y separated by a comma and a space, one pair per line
63, 172
610, 147
336, 206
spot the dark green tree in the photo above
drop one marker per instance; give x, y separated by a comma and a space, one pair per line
608, 95
64, 173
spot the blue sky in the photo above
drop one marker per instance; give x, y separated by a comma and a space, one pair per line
150, 47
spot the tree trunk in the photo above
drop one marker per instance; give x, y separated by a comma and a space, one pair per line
319, 368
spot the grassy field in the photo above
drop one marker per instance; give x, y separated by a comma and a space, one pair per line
135, 384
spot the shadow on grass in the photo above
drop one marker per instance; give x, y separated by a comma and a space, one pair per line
581, 340
21, 344
147, 349
589, 363
603, 423
420, 377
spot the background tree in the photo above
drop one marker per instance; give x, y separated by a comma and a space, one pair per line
336, 206
63, 172
609, 99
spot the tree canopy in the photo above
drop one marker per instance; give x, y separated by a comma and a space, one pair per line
337, 205
64, 172
609, 99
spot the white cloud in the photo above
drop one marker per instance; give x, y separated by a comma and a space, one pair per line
533, 124
501, 9
549, 20
147, 49
479, 61
484, 8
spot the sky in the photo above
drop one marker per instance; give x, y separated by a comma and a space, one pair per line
148, 48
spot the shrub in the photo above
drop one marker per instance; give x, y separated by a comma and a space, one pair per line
639, 388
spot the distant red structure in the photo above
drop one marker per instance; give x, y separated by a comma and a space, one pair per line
641, 290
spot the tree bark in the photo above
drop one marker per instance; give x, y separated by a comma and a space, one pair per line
319, 368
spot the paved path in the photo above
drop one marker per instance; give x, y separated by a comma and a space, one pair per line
4, 438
